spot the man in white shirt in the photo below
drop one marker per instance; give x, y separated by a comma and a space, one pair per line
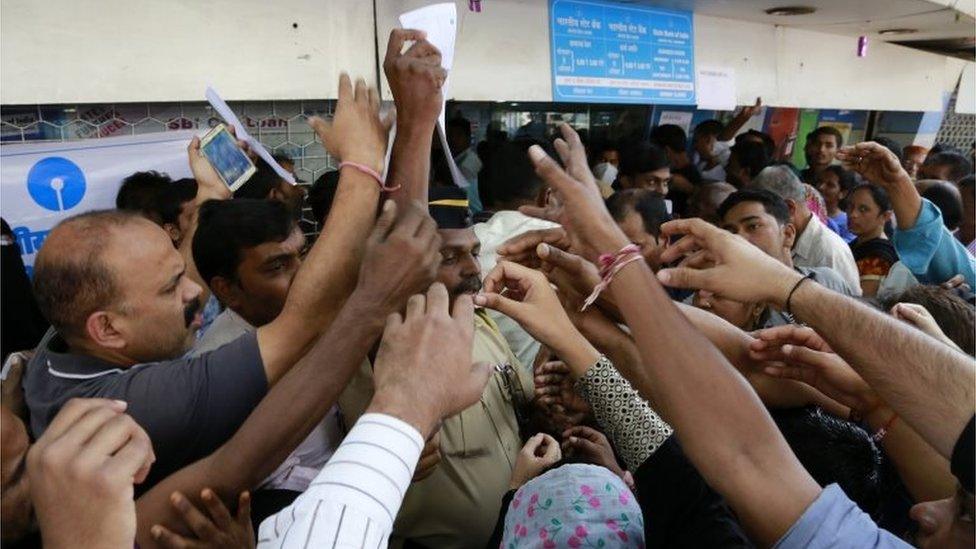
510, 181
469, 164
815, 245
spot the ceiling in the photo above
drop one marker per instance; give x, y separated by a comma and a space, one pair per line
942, 26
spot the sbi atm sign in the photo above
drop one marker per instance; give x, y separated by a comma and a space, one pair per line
56, 184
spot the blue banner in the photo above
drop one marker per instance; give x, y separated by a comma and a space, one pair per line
604, 52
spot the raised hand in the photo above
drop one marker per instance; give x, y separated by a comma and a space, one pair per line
423, 372
575, 202
82, 472
521, 248
921, 318
876, 163
593, 446
209, 185
401, 257
724, 264
415, 77
798, 353
217, 531
538, 454
356, 133
525, 295
752, 110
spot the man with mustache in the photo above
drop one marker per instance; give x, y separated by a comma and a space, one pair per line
125, 311
451, 508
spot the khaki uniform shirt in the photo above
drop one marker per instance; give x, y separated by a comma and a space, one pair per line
457, 505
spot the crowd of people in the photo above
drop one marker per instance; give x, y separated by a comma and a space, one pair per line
670, 342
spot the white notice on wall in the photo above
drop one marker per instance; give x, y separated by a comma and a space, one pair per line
678, 118
716, 88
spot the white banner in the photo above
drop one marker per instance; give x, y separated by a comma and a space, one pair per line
43, 183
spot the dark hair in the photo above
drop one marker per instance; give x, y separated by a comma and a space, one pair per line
768, 144
72, 284
670, 136
955, 317
510, 180
751, 156
459, 123
708, 127
892, 146
155, 195
878, 195
227, 227
944, 147
649, 205
959, 164
260, 185
967, 183
827, 130
642, 157
946, 197
772, 203
322, 194
847, 179
282, 158
834, 451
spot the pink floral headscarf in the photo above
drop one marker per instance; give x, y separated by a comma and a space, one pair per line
576, 505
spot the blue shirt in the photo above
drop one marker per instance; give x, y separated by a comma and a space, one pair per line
840, 222
930, 251
833, 520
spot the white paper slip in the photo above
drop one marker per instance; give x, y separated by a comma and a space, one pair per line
716, 88
678, 118
228, 115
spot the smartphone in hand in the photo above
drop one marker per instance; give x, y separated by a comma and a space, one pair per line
228, 160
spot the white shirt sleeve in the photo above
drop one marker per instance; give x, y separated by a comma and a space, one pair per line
357, 495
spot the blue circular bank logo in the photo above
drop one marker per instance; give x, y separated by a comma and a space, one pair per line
56, 183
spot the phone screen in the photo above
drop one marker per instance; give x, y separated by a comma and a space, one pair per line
226, 157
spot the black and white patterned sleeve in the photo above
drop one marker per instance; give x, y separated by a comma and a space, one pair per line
626, 418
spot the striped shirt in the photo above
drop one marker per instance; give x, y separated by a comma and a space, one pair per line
356, 497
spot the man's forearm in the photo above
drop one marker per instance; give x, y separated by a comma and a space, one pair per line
906, 203
328, 273
722, 424
410, 162
903, 365
289, 412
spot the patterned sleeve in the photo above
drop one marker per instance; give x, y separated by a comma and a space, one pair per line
873, 267
632, 426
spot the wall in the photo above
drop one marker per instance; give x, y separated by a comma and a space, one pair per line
79, 51
158, 50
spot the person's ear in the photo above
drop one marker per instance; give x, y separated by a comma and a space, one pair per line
888, 216
102, 329
227, 291
791, 204
789, 236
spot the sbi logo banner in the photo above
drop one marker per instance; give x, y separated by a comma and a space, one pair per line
56, 184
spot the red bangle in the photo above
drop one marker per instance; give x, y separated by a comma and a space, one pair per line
880, 434
368, 171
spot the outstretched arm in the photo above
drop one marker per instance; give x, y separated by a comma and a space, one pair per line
734, 125
328, 273
724, 428
904, 366
402, 258
415, 78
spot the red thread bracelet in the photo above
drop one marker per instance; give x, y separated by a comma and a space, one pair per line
610, 265
370, 172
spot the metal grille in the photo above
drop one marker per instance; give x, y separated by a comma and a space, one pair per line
957, 129
279, 125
